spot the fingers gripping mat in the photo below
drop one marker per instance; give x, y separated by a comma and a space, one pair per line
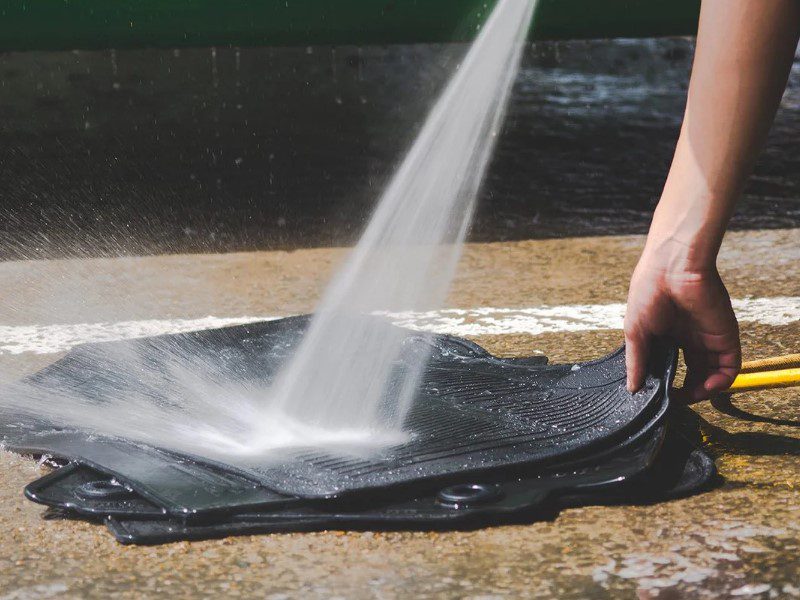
473, 413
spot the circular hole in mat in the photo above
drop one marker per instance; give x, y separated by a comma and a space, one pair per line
103, 489
468, 494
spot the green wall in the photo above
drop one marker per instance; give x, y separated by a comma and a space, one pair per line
85, 24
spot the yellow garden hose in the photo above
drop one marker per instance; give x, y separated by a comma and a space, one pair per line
769, 373
790, 361
765, 380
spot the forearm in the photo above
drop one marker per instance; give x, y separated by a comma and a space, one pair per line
744, 52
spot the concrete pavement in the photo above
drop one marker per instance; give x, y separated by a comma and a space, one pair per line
740, 540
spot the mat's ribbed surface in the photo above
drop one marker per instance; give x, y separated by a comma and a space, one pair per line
481, 413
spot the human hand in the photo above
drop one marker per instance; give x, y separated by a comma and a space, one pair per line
744, 54
690, 305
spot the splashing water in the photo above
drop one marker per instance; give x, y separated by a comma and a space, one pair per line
406, 258
341, 387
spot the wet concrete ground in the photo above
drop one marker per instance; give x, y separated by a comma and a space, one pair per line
205, 150
740, 540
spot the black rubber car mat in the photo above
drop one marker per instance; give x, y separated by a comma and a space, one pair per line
174, 485
473, 413
519, 501
79, 489
681, 468
83, 489
484, 416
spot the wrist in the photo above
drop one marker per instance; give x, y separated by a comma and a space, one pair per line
675, 255
687, 230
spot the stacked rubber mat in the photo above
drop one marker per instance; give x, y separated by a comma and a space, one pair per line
490, 441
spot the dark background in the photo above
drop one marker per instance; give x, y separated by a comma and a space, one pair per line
154, 151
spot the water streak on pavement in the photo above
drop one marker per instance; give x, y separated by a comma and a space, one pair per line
60, 337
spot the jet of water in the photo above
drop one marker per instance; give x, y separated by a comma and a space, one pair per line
342, 373
342, 387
